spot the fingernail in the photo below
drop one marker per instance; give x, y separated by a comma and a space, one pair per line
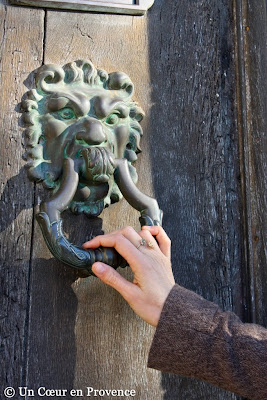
86, 243
98, 268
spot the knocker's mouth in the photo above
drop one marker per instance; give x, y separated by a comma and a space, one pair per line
99, 164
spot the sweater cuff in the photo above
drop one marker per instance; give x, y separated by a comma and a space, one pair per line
186, 320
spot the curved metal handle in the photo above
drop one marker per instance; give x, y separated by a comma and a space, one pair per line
148, 207
49, 219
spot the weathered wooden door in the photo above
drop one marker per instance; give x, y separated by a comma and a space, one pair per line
199, 69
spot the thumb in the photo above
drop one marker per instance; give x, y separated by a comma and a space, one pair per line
112, 278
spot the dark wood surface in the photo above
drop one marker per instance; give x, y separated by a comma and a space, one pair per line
251, 57
200, 75
194, 151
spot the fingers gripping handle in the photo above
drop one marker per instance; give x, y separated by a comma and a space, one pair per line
72, 255
49, 219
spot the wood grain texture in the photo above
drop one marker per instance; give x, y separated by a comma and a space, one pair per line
21, 52
181, 62
86, 335
194, 155
184, 63
251, 39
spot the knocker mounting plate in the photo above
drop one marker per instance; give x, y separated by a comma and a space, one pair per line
83, 133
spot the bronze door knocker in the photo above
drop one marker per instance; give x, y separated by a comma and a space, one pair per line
83, 133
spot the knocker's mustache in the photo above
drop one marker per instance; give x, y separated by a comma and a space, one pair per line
99, 164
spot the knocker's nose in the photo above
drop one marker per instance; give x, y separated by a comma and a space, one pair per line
92, 131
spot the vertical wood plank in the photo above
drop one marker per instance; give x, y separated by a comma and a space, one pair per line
86, 335
251, 34
194, 156
21, 51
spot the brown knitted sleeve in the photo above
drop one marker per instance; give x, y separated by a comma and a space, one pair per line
194, 338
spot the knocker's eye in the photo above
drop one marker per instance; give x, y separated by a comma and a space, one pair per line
66, 113
112, 119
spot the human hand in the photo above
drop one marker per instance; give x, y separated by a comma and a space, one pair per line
151, 265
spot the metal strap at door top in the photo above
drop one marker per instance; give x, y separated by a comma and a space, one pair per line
132, 7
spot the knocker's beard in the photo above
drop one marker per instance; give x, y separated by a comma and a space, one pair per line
96, 170
99, 164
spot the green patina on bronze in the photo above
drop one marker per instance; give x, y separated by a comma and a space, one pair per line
83, 113
82, 135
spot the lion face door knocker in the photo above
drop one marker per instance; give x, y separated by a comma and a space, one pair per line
82, 136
